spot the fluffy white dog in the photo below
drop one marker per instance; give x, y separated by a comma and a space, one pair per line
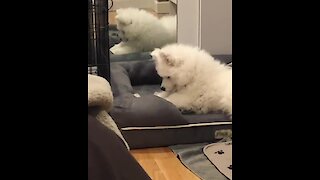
193, 80
141, 31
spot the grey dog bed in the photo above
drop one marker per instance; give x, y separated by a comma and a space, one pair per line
150, 121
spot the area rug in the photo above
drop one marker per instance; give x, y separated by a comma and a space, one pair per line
220, 155
193, 157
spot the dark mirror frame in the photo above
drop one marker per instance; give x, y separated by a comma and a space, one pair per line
98, 37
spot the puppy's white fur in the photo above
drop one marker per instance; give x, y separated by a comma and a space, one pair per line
193, 79
141, 31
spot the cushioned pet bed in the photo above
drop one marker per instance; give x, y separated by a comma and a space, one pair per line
150, 121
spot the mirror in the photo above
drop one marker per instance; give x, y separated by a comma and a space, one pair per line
139, 26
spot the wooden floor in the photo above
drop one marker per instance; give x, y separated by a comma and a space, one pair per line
162, 164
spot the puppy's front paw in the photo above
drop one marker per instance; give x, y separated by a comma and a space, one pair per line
115, 48
122, 49
161, 94
157, 93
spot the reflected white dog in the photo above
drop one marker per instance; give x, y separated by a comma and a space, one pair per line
141, 31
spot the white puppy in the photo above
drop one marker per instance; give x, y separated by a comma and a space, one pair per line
141, 31
193, 80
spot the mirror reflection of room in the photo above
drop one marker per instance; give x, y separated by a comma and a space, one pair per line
137, 26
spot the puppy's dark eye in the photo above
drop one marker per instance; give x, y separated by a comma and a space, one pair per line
168, 77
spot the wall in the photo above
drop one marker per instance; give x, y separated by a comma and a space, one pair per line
216, 26
188, 22
206, 24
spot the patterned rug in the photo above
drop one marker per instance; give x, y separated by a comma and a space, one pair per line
193, 157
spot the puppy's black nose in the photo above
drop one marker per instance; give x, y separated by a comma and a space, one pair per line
163, 88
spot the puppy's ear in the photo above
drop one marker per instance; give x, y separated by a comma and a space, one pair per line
119, 10
123, 21
167, 59
155, 52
